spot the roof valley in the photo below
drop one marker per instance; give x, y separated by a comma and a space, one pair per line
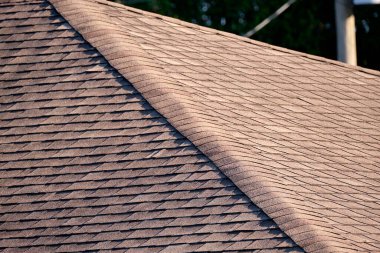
161, 91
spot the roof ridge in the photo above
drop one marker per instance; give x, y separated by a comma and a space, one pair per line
151, 80
235, 36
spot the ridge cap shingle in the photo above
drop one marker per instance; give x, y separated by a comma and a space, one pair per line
156, 86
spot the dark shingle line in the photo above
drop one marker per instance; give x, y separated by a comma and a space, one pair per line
133, 113
89, 154
35, 121
267, 221
18, 76
156, 132
101, 211
33, 66
147, 192
182, 233
19, 15
41, 54
133, 197
221, 200
29, 15
68, 161
25, 23
121, 198
68, 77
22, 29
72, 111
52, 18
204, 241
96, 140
89, 84
23, 114
145, 136
80, 47
133, 163
96, 171
33, 44
32, 36
43, 104
275, 232
64, 84
95, 130
53, 171
139, 174
153, 195
52, 68
100, 133
126, 145
49, 111
111, 97
60, 89
202, 166
70, 94
93, 170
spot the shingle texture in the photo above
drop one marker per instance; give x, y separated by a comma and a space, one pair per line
299, 135
210, 132
88, 165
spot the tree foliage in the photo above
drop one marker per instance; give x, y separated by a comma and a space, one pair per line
307, 26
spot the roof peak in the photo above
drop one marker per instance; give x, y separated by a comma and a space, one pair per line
233, 36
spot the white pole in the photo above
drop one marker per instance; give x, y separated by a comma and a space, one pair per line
345, 31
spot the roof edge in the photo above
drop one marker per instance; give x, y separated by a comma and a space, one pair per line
151, 80
248, 40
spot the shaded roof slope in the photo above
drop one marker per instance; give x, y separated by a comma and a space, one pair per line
298, 134
87, 164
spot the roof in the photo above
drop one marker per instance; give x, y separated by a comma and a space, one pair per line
126, 130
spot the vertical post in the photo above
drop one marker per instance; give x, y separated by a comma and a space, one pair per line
345, 31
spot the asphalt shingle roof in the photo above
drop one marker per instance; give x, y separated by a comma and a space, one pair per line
87, 164
121, 129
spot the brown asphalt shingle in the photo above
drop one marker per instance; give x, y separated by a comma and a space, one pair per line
298, 134
89, 164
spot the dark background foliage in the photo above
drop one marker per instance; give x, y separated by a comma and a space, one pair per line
307, 26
